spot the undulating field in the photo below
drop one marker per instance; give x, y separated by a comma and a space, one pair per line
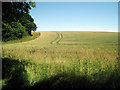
63, 59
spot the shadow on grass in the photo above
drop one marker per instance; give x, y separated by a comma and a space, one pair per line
16, 77
72, 81
63, 81
13, 74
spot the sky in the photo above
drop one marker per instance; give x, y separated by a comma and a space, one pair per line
76, 16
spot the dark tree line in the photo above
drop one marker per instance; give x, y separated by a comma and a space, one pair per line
16, 20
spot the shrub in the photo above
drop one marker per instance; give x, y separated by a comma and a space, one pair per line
13, 31
6, 31
18, 30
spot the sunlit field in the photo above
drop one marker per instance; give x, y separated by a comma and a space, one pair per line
63, 59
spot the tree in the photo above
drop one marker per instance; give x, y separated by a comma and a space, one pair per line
15, 10
16, 20
28, 22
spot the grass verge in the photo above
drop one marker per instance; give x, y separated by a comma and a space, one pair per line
27, 38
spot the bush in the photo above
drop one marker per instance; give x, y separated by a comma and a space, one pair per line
18, 30
6, 31
13, 31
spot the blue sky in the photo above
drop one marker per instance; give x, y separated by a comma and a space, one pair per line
76, 16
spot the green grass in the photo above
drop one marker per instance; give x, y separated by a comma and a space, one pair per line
63, 59
26, 38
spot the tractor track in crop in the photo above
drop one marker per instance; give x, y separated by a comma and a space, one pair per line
58, 38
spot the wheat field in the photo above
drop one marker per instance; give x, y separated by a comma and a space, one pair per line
62, 59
